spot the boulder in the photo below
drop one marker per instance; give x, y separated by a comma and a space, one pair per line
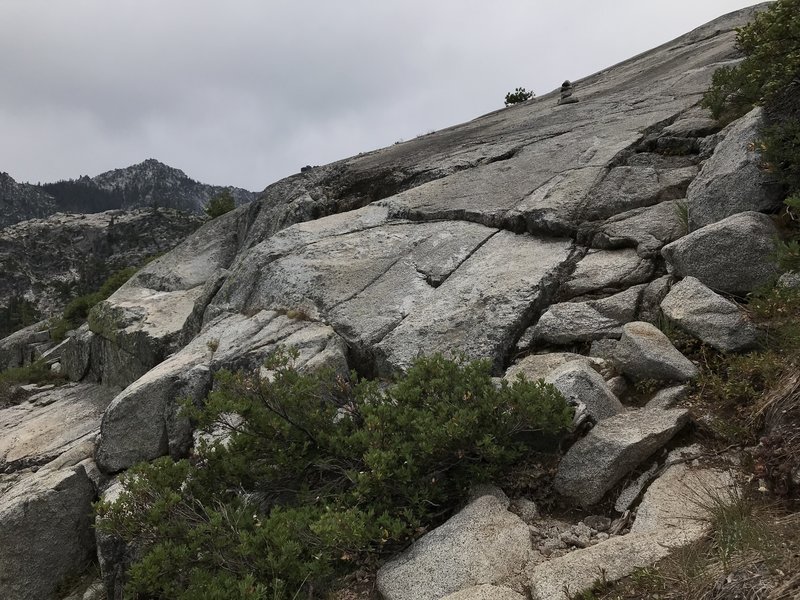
62, 420
485, 592
570, 322
564, 577
734, 255
20, 348
614, 447
626, 188
644, 352
675, 507
581, 384
648, 229
539, 366
484, 544
668, 397
709, 317
143, 422
45, 532
673, 513
734, 180
606, 270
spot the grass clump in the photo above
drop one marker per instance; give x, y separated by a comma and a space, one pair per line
310, 476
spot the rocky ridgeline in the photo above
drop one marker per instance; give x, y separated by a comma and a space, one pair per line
529, 232
22, 201
48, 261
148, 184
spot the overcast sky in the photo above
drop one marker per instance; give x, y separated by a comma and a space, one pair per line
245, 92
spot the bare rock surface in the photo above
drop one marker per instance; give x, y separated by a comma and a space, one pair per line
581, 385
45, 532
484, 544
539, 366
644, 352
608, 270
734, 179
709, 317
674, 506
485, 592
570, 322
563, 577
673, 513
143, 421
734, 255
615, 446
51, 423
48, 261
647, 229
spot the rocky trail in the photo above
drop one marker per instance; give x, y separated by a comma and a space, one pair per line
550, 239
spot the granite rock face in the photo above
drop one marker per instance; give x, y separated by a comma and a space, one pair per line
734, 179
45, 532
709, 317
612, 449
527, 228
734, 255
484, 544
644, 352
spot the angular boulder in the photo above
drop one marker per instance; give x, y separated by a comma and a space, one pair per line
614, 447
484, 544
709, 317
733, 180
581, 384
52, 423
644, 352
734, 255
485, 592
539, 366
604, 270
144, 422
45, 532
570, 322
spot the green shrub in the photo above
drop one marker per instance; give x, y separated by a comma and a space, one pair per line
78, 308
220, 204
518, 95
317, 474
10, 379
771, 48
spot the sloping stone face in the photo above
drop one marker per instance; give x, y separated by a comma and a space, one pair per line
45, 533
143, 422
709, 317
733, 180
734, 255
482, 544
612, 449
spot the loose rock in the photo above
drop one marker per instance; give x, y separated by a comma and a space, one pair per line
644, 352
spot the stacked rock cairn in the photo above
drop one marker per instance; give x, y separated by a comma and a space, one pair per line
566, 93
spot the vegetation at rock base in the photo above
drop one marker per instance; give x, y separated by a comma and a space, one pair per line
78, 308
305, 476
220, 204
771, 48
10, 380
17, 314
518, 95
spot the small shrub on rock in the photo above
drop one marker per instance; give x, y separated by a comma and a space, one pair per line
517, 96
303, 475
220, 204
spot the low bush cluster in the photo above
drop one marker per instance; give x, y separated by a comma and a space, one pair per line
303, 476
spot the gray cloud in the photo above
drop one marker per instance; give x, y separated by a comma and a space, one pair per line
247, 92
